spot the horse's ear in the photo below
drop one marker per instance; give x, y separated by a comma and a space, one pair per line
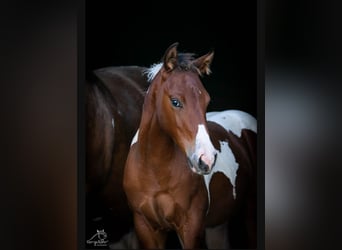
170, 57
203, 63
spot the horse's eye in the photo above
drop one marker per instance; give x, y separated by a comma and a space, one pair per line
176, 103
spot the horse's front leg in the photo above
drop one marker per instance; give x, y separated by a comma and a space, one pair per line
149, 238
192, 234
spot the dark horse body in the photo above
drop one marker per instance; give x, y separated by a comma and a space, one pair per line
114, 98
186, 173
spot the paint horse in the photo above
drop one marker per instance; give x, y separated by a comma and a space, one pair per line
114, 98
186, 173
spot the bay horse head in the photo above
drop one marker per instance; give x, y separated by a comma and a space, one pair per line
180, 102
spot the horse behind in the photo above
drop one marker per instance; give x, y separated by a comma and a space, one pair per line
189, 171
114, 98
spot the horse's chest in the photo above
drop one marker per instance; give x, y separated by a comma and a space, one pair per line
162, 211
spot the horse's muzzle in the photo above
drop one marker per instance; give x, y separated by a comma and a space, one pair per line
203, 167
200, 167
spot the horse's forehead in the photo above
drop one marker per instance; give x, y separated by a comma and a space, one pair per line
184, 76
185, 80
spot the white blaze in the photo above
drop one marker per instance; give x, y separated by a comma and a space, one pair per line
203, 147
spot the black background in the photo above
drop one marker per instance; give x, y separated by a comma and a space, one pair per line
138, 33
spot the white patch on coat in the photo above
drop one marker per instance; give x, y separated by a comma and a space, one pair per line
152, 71
113, 122
135, 138
233, 120
226, 164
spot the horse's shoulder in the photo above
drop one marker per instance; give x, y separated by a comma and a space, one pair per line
132, 167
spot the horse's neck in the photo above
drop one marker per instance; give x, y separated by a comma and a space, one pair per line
154, 144
153, 141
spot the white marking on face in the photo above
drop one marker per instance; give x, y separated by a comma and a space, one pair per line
204, 149
113, 122
233, 120
135, 138
226, 164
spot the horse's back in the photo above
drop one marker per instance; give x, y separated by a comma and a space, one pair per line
233, 120
123, 77
128, 85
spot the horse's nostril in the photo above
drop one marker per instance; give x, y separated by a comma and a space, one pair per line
200, 162
202, 165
